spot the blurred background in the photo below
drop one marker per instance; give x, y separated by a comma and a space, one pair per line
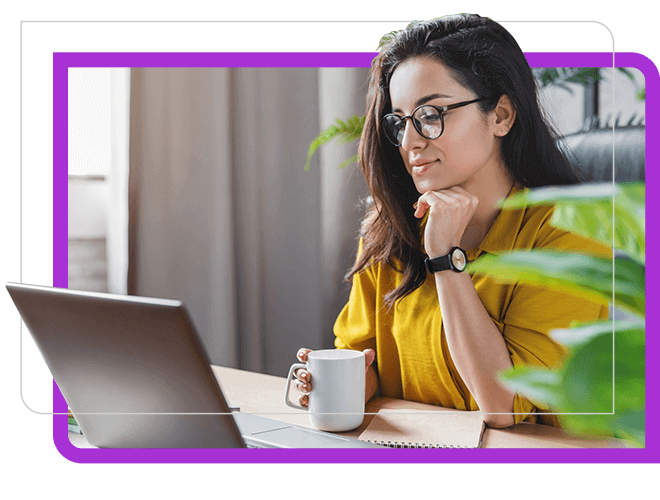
188, 183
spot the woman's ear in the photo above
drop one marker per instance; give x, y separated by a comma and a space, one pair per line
505, 116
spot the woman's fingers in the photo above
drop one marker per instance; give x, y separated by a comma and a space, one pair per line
432, 199
369, 357
303, 375
304, 378
455, 197
464, 198
302, 354
421, 206
305, 387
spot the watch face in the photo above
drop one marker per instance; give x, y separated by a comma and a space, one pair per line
458, 259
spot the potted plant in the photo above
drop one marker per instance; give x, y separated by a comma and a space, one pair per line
601, 383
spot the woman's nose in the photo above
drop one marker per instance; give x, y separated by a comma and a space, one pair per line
411, 138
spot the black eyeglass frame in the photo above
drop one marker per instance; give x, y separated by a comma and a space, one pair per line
441, 110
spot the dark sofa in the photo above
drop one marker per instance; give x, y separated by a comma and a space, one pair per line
591, 151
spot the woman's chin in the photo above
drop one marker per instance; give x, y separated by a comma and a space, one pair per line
428, 185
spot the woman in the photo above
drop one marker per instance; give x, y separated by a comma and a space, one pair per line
453, 126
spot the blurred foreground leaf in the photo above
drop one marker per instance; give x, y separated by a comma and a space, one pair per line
540, 385
583, 387
591, 210
582, 275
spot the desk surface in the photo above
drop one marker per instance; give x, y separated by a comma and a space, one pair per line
264, 395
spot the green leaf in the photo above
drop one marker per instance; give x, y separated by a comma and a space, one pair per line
584, 76
582, 275
592, 210
590, 364
539, 385
587, 384
627, 72
582, 333
343, 131
386, 38
558, 194
582, 388
588, 376
561, 76
350, 161
631, 425
565, 87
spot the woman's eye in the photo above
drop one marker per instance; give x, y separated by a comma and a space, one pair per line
431, 118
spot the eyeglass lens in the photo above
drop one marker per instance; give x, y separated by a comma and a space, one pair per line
427, 120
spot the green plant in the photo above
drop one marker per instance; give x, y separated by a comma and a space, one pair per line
561, 77
601, 383
344, 131
351, 129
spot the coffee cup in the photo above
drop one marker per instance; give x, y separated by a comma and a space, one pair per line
336, 402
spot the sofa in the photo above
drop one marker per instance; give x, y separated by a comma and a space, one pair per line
591, 150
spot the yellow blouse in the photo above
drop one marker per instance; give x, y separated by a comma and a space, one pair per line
412, 355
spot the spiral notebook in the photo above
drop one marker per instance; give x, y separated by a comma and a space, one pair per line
422, 429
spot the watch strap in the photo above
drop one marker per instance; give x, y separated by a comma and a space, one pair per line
445, 262
438, 264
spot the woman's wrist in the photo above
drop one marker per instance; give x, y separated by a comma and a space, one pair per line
449, 277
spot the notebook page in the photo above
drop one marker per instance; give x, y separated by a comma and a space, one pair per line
417, 429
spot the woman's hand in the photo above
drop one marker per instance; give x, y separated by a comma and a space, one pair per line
304, 378
450, 211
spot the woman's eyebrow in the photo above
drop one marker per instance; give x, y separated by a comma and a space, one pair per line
425, 99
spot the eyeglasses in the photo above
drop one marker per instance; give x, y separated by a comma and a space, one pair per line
428, 120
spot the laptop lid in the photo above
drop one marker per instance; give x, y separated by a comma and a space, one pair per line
131, 369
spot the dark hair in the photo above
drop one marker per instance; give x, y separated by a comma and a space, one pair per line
484, 58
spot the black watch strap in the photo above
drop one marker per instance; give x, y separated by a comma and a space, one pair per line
456, 260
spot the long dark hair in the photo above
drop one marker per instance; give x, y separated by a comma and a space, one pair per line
484, 58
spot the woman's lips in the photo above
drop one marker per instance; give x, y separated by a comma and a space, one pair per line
420, 169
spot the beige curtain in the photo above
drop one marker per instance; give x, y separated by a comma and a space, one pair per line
222, 215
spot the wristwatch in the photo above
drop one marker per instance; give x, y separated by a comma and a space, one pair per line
456, 260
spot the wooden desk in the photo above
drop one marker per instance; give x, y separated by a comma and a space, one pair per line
264, 394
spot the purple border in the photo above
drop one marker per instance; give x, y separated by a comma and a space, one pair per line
63, 61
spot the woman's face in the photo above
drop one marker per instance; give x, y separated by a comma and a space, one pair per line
468, 146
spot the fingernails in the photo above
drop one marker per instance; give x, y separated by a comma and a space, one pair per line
303, 387
415, 205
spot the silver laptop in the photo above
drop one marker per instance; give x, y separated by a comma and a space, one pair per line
134, 373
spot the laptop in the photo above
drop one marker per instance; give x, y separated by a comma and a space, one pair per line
135, 375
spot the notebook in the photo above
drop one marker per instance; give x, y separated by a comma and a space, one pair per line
135, 375
424, 429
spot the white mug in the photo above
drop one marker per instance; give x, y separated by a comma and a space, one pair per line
336, 402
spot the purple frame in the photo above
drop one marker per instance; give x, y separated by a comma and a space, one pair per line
63, 61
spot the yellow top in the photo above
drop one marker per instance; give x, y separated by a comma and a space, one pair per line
412, 355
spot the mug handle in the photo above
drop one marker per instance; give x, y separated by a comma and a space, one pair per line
288, 386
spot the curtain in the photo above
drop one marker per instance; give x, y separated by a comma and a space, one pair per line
222, 215
117, 178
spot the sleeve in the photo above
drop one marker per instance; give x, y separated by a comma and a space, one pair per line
536, 310
355, 326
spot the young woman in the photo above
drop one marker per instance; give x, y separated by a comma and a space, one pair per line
453, 126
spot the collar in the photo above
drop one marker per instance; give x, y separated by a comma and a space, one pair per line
502, 235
